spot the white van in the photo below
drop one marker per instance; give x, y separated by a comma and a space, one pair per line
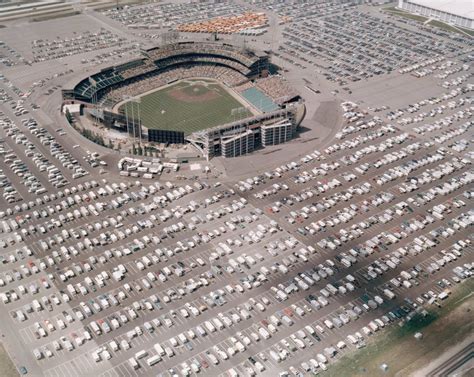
153, 360
133, 363
159, 349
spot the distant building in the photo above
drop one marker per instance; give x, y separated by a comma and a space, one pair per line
455, 12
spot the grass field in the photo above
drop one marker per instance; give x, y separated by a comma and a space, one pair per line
449, 28
401, 13
188, 106
397, 347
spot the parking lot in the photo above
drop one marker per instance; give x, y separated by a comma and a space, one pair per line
115, 278
279, 272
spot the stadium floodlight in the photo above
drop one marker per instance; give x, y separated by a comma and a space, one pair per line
130, 99
125, 98
138, 101
238, 112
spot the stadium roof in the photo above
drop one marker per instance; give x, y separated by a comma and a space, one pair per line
462, 8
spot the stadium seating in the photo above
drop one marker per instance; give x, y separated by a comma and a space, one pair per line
276, 88
159, 78
228, 64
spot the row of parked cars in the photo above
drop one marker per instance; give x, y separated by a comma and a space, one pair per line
159, 250
67, 234
331, 50
183, 311
413, 108
56, 149
392, 261
371, 303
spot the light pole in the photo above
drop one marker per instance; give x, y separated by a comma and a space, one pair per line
133, 122
137, 100
126, 113
94, 97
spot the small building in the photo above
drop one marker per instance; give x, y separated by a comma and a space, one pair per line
74, 109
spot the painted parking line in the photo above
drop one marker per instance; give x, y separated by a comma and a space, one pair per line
83, 369
25, 336
51, 373
62, 370
119, 370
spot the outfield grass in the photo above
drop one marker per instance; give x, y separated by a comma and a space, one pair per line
397, 347
188, 106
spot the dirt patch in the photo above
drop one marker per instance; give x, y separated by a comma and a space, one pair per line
7, 369
193, 94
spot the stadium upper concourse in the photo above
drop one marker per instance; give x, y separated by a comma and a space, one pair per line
248, 93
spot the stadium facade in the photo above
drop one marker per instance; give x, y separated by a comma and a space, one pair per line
231, 66
244, 136
455, 12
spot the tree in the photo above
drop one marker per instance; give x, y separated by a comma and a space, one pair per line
69, 117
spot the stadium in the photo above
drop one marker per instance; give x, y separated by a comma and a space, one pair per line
218, 97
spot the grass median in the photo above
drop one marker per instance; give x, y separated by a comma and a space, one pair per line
441, 25
397, 12
450, 28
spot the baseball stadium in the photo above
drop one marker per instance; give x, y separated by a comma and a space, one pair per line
218, 97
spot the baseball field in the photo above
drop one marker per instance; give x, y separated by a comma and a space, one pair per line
188, 106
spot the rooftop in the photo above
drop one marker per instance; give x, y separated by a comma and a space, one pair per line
463, 8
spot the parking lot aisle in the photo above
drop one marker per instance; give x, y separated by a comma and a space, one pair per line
118, 371
52, 372
26, 335
32, 168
